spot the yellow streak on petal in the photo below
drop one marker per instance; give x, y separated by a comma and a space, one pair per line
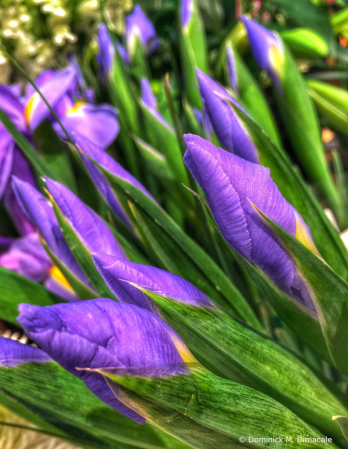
276, 57
302, 235
182, 349
58, 276
76, 108
29, 108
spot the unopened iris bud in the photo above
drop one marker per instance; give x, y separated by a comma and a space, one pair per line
232, 186
232, 69
139, 27
186, 10
120, 274
105, 56
104, 334
267, 49
227, 126
90, 151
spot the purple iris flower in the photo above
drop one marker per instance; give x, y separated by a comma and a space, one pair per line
231, 184
27, 257
267, 49
97, 122
232, 69
116, 271
53, 87
105, 56
62, 91
149, 100
227, 126
138, 26
87, 148
14, 353
186, 10
101, 333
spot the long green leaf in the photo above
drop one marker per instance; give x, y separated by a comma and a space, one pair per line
48, 388
246, 357
329, 294
82, 254
218, 412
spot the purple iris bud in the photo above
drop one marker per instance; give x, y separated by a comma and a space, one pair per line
231, 184
14, 353
138, 26
105, 57
186, 10
27, 257
227, 126
116, 271
122, 52
232, 69
97, 122
40, 213
92, 230
87, 148
267, 49
149, 100
101, 333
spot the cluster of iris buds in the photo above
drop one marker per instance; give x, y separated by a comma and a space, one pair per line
171, 266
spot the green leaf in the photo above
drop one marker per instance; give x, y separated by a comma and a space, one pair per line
139, 64
51, 390
165, 140
328, 291
343, 423
331, 102
16, 289
81, 254
193, 48
218, 412
305, 14
305, 43
179, 254
294, 190
54, 153
122, 94
156, 162
32, 155
302, 126
247, 357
